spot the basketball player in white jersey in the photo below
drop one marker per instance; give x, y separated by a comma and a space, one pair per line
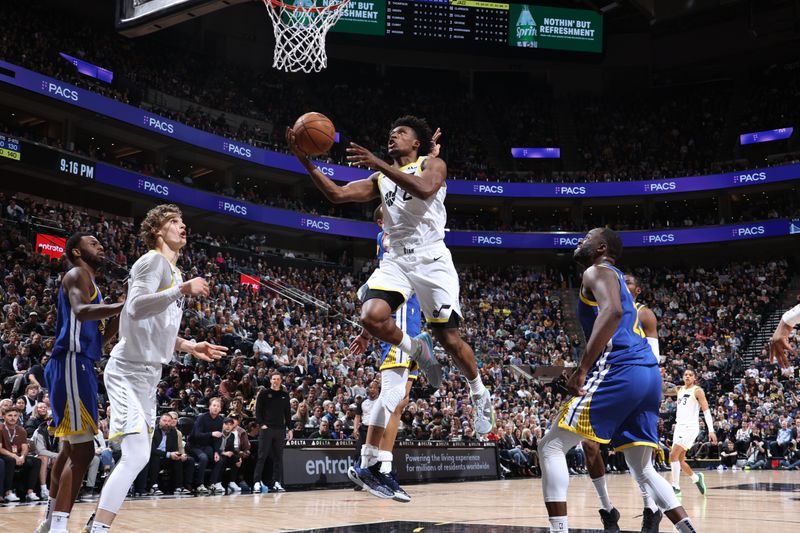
652, 515
779, 345
690, 399
149, 326
412, 190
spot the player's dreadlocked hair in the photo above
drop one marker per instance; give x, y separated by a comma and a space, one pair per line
421, 129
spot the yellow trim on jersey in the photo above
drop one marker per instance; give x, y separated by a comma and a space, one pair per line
437, 320
63, 429
637, 443
636, 328
404, 167
94, 295
584, 426
401, 169
586, 300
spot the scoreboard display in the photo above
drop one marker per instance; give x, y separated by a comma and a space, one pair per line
10, 148
476, 22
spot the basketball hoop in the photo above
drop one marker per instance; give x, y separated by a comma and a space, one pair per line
300, 31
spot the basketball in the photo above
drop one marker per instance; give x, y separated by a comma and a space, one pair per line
315, 133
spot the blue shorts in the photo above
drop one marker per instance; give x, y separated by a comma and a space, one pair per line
620, 407
72, 385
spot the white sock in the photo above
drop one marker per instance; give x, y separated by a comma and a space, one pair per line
476, 386
43, 488
602, 492
48, 513
369, 455
685, 526
676, 474
59, 522
695, 477
558, 524
385, 459
649, 503
98, 527
407, 344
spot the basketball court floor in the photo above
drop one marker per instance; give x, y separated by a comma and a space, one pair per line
737, 502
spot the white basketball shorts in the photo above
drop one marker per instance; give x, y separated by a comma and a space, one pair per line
427, 271
684, 436
131, 388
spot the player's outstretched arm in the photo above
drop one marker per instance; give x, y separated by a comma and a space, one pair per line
359, 191
779, 344
145, 299
78, 286
603, 284
428, 183
650, 327
200, 350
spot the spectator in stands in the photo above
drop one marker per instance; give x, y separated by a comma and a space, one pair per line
779, 446
206, 438
167, 453
44, 446
728, 454
227, 460
20, 466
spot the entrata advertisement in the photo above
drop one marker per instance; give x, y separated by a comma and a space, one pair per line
250, 281
320, 463
50, 245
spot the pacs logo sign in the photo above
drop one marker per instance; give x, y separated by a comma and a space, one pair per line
315, 224
241, 151
59, 90
228, 206
164, 126
153, 187
50, 245
487, 240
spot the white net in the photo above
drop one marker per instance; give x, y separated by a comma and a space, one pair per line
300, 28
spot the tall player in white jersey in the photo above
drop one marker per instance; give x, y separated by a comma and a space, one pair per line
412, 190
690, 399
149, 326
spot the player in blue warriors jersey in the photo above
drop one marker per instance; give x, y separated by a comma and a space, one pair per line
378, 479
616, 389
70, 375
648, 328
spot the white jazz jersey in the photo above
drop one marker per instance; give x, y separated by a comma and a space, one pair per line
412, 221
688, 413
150, 340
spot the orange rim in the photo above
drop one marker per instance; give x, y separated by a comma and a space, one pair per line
333, 7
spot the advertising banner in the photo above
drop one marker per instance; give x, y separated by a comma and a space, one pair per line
140, 118
325, 463
50, 245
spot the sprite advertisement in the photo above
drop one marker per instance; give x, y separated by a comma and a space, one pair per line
362, 17
577, 30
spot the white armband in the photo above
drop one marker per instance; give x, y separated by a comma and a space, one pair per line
709, 420
653, 342
792, 316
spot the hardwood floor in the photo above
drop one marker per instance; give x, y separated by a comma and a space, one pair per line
740, 502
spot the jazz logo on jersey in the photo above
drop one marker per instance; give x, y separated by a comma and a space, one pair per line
390, 196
